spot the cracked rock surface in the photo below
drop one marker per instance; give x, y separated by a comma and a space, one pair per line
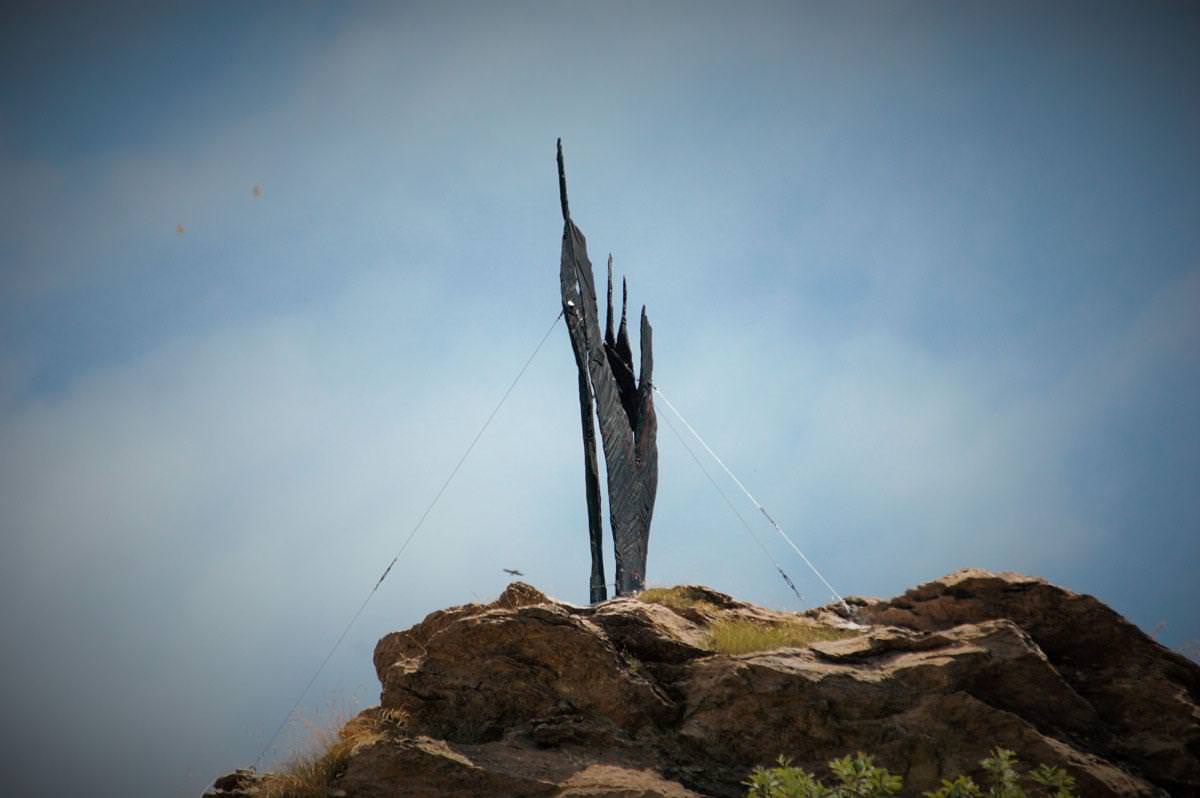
528, 696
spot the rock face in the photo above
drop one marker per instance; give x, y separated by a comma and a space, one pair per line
529, 697
1142, 697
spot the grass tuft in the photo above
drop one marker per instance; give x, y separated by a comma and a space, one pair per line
735, 636
677, 598
310, 774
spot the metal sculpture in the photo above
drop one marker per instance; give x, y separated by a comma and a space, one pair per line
624, 404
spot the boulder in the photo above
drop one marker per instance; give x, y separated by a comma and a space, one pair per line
1145, 696
528, 696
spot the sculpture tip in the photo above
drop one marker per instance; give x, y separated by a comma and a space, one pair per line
562, 184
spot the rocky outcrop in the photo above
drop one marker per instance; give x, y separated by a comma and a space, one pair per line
1143, 696
528, 696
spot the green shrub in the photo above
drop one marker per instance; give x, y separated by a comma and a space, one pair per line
961, 787
1005, 779
858, 777
784, 781
1058, 782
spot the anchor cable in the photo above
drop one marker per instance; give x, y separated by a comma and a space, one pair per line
729, 502
420, 521
755, 502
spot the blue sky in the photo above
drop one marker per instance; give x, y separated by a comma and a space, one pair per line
927, 276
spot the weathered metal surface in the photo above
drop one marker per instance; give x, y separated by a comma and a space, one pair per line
623, 405
620, 356
591, 473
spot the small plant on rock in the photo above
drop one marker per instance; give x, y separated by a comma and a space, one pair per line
784, 781
1005, 779
1058, 783
858, 777
1001, 766
961, 787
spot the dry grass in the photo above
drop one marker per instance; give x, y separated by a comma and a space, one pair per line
735, 636
675, 597
310, 773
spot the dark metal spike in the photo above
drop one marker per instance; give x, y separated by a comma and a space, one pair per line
608, 320
624, 298
562, 184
